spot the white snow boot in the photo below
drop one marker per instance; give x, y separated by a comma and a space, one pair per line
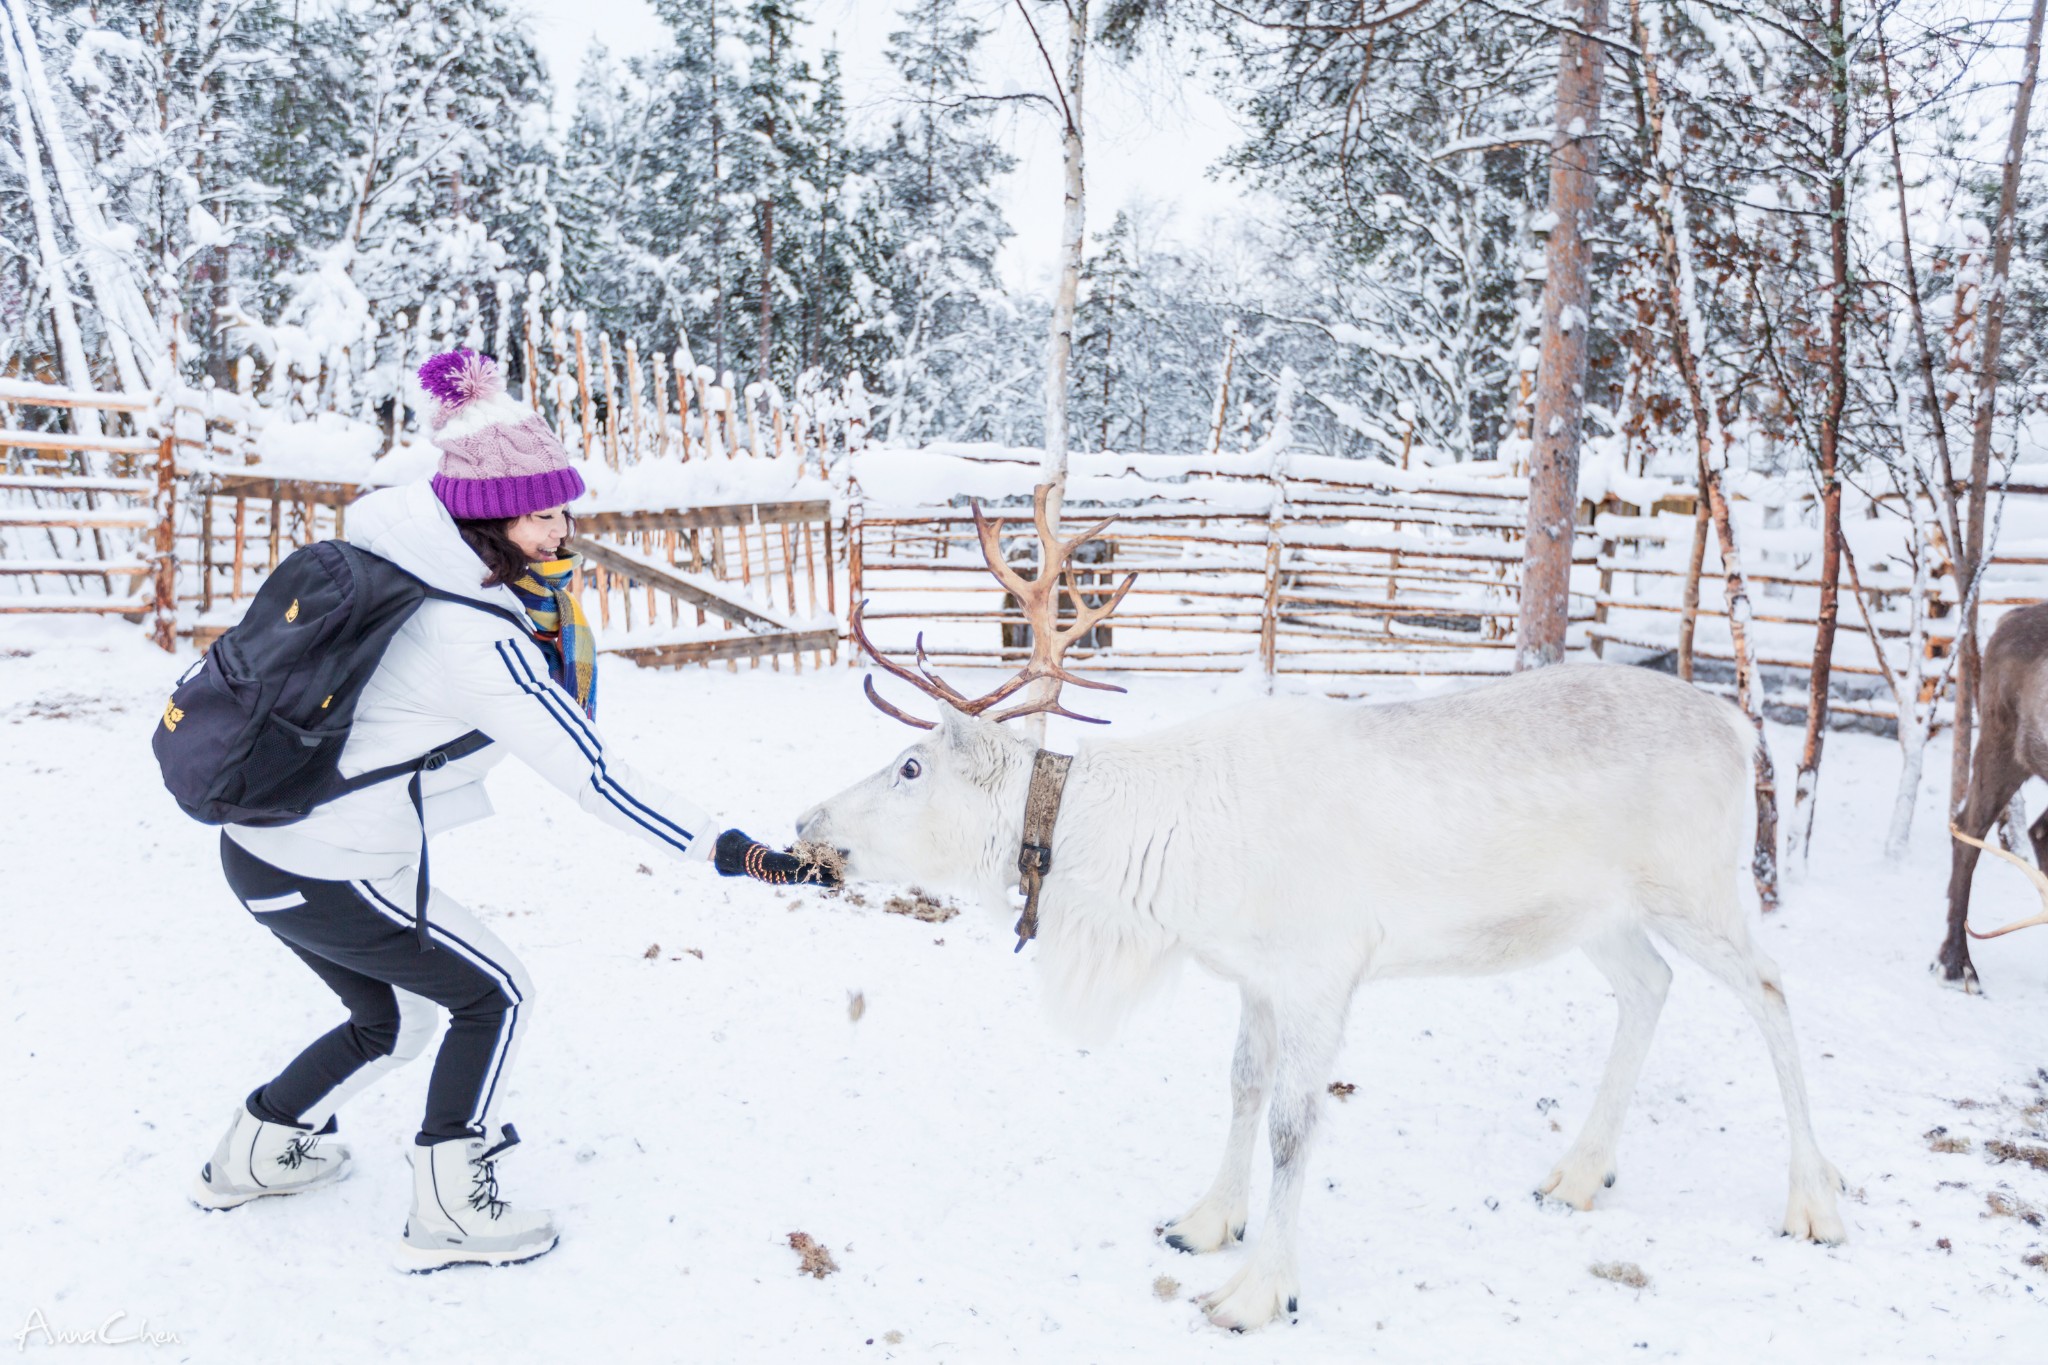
457, 1216
256, 1158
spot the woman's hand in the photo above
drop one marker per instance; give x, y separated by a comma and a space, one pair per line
738, 855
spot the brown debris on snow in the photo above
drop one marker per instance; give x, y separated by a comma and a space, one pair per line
816, 1261
1941, 1140
1621, 1272
1998, 1149
1343, 1090
920, 906
856, 1005
1165, 1288
2006, 1206
653, 951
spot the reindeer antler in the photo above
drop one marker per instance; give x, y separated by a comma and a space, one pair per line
1039, 598
2034, 875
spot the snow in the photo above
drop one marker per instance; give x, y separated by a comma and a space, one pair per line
325, 445
989, 1189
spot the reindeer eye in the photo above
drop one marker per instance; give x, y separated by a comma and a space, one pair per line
910, 769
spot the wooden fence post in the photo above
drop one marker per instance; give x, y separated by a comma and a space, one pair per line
856, 516
1223, 394
658, 371
707, 441
164, 559
632, 400
1269, 612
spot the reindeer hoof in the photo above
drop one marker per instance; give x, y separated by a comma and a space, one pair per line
1251, 1300
1963, 978
1202, 1230
1812, 1213
1574, 1185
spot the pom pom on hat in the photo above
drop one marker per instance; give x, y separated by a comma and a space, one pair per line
458, 378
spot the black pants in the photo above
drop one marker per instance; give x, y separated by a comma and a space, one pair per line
359, 938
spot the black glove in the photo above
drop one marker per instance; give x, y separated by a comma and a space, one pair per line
738, 855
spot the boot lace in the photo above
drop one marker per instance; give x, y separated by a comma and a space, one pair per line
298, 1151
483, 1192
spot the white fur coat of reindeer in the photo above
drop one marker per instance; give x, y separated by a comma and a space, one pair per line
1297, 848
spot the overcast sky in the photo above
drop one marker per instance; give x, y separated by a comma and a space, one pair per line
1152, 130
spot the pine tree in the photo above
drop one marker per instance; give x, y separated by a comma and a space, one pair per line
934, 181
837, 241
771, 111
169, 97
606, 185
1106, 325
409, 170
691, 222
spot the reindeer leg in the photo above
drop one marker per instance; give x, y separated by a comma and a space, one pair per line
1310, 1027
1220, 1218
1640, 980
2037, 834
1717, 937
1994, 779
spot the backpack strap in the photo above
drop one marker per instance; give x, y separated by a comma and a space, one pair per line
517, 618
416, 768
437, 758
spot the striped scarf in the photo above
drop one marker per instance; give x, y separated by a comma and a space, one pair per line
561, 628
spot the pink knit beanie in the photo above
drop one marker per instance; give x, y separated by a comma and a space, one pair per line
498, 458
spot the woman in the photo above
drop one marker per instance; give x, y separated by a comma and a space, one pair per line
338, 888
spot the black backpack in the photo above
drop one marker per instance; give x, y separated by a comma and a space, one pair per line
253, 732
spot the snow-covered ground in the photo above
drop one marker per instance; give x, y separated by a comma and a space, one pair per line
989, 1189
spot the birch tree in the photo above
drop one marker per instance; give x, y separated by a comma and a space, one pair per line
1991, 329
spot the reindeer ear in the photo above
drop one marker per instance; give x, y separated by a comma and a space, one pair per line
956, 728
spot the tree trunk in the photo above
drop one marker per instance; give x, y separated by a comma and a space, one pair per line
1819, 675
1060, 348
114, 289
1675, 246
1060, 342
1937, 409
717, 216
767, 319
1689, 611
767, 323
1561, 370
1992, 324
77, 372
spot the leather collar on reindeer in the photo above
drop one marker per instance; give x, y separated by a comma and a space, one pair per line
1040, 599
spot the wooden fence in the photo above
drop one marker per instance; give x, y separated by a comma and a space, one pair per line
764, 571
1347, 568
102, 504
1353, 570
1304, 566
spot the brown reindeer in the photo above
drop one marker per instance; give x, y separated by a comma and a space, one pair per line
2012, 745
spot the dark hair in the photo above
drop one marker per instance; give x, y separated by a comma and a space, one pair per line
505, 561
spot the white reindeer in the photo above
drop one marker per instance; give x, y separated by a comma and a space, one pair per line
1299, 847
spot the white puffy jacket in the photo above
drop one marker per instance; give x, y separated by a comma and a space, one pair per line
449, 670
